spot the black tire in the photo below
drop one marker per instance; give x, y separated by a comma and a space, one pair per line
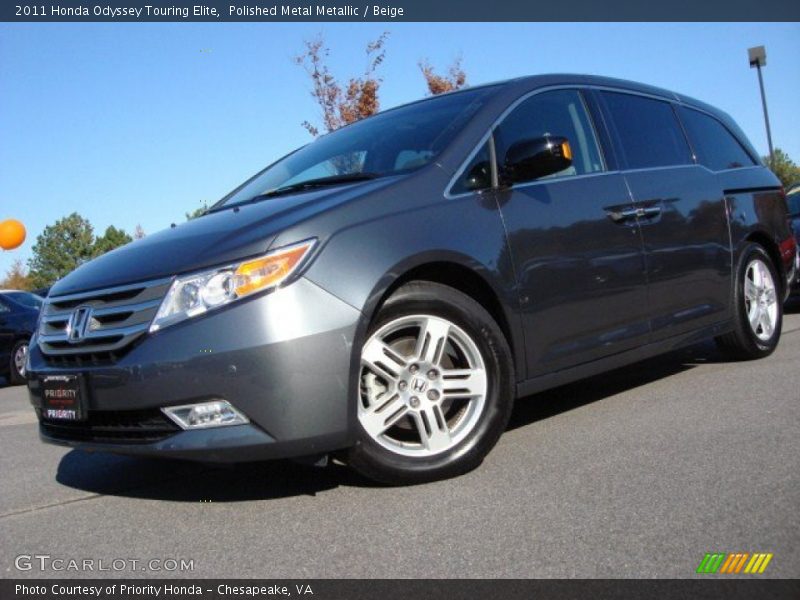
743, 343
14, 376
439, 301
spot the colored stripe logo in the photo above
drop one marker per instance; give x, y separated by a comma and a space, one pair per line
734, 562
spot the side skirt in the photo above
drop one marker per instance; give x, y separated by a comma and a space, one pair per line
615, 361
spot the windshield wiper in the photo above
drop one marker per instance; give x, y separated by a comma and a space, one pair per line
308, 184
318, 182
299, 187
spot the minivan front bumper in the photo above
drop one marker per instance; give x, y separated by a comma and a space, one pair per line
282, 359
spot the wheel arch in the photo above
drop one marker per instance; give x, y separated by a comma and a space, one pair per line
466, 280
24, 336
765, 241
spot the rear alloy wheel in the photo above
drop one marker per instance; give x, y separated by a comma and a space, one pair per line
760, 299
19, 357
758, 306
435, 388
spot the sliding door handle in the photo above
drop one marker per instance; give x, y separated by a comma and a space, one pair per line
622, 215
627, 214
649, 212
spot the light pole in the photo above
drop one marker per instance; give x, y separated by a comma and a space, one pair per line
758, 59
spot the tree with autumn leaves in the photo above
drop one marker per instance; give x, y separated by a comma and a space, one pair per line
455, 78
345, 101
341, 102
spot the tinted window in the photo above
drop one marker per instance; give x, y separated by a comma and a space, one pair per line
714, 145
648, 131
559, 113
477, 175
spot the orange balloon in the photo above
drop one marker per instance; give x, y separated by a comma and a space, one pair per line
12, 234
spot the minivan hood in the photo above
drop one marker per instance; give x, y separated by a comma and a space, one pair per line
214, 239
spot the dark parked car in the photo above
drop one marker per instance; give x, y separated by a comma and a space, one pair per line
18, 313
390, 289
793, 203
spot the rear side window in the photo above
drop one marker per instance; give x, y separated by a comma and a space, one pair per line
648, 130
715, 146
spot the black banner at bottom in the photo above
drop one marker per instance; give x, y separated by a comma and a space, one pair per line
396, 589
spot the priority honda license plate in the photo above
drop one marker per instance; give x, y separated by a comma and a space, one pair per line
61, 398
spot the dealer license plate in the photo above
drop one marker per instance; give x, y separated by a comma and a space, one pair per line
61, 398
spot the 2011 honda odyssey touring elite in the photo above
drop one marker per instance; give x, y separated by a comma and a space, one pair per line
390, 289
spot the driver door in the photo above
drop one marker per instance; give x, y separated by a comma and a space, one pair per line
580, 266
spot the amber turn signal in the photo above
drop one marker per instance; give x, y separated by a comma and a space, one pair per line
270, 270
566, 150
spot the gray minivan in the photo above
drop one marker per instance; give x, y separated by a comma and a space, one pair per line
387, 291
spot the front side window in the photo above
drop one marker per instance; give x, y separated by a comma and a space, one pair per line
560, 113
714, 145
648, 131
396, 141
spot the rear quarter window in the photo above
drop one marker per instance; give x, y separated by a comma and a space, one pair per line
714, 146
648, 131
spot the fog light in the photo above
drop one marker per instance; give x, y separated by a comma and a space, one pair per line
217, 413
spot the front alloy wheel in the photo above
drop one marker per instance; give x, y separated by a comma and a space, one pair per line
435, 387
423, 385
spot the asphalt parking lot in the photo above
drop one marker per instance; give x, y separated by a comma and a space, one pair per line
637, 473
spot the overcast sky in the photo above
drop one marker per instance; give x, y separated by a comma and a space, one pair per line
140, 123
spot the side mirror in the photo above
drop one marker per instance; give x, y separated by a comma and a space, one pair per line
530, 159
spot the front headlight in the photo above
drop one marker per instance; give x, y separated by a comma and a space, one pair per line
195, 294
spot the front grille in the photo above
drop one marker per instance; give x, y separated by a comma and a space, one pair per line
124, 426
95, 328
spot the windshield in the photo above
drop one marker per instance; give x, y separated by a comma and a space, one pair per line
396, 141
25, 299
